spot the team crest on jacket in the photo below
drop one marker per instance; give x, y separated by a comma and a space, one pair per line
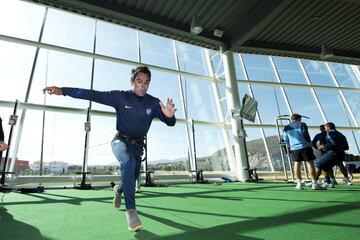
148, 111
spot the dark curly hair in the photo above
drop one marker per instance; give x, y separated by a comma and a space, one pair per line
330, 125
142, 69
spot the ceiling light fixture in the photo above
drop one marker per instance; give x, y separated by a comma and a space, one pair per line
326, 52
218, 33
195, 27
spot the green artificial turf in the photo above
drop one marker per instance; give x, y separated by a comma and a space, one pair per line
193, 211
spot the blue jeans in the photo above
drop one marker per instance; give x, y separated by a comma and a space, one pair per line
329, 159
129, 157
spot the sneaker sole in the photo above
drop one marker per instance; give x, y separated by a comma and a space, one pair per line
135, 229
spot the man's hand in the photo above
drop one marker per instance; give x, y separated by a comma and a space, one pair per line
53, 90
170, 109
3, 146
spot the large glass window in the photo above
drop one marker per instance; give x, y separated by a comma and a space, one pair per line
170, 82
272, 141
357, 142
31, 133
317, 73
21, 19
222, 93
157, 50
101, 160
239, 70
351, 140
191, 59
110, 76
116, 41
167, 148
256, 150
69, 30
289, 70
259, 68
15, 68
64, 138
200, 100
210, 149
271, 103
344, 75
63, 70
303, 103
334, 108
354, 103
216, 59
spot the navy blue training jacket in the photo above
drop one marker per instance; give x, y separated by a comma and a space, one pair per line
133, 114
336, 141
321, 138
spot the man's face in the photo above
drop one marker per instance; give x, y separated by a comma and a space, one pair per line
141, 84
327, 128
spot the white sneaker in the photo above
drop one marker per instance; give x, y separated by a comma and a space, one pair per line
299, 186
348, 182
134, 223
308, 184
117, 197
328, 185
316, 186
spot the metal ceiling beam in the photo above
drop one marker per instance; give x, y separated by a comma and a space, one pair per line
256, 20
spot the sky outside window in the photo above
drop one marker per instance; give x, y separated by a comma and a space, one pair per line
116, 41
345, 75
258, 68
289, 70
317, 73
25, 16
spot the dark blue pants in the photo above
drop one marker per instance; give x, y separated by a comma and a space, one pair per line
329, 159
129, 157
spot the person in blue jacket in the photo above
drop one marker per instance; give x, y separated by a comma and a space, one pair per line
135, 110
297, 139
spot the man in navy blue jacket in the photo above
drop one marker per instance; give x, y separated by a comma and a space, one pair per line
135, 110
336, 145
318, 142
297, 138
319, 138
